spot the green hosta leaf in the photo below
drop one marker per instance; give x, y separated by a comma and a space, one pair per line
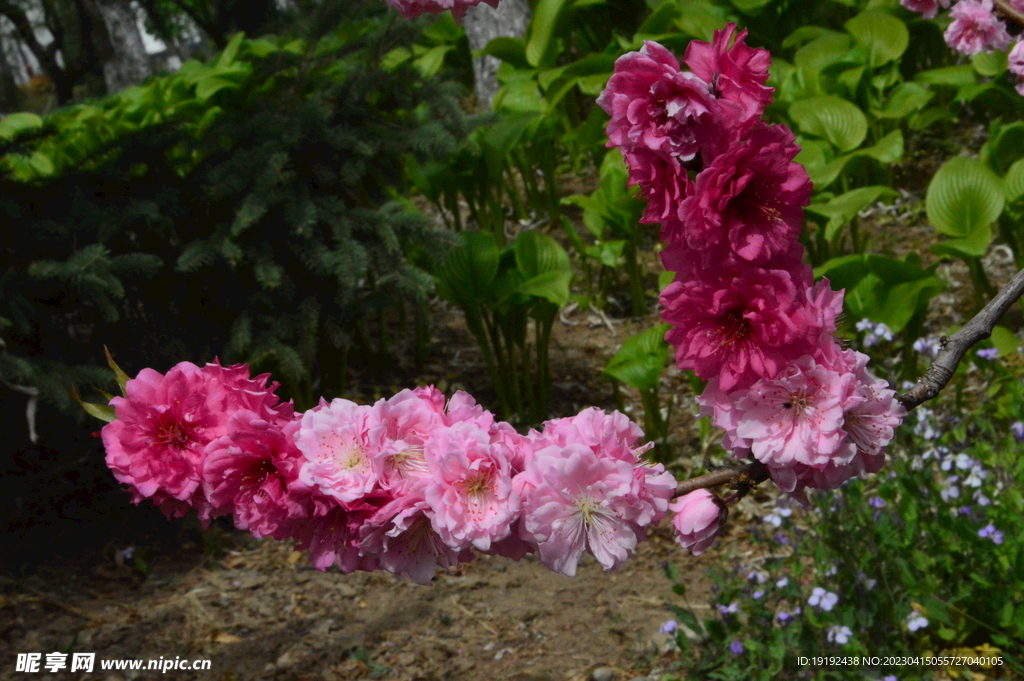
538, 253
431, 61
990, 64
884, 36
817, 55
540, 45
466, 276
641, 359
964, 198
700, 20
551, 286
1004, 148
905, 99
845, 207
1013, 185
831, 118
749, 6
211, 85
14, 124
957, 76
521, 96
974, 245
227, 57
889, 149
806, 34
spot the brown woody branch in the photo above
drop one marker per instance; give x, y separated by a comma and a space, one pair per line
943, 367
1009, 12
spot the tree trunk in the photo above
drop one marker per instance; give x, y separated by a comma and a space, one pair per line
483, 24
128, 64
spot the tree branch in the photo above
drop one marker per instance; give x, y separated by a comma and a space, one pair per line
928, 387
1010, 12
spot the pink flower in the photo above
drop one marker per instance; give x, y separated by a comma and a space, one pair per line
741, 324
400, 536
157, 444
737, 74
334, 441
699, 516
795, 418
469, 493
575, 501
748, 201
976, 28
252, 472
656, 107
928, 9
1017, 63
664, 183
410, 9
400, 425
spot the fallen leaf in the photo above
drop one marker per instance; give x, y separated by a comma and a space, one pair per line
221, 637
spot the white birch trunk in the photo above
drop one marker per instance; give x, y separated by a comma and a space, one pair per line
483, 24
129, 64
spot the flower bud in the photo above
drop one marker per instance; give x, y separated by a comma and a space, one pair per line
698, 517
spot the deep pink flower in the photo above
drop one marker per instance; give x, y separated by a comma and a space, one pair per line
737, 74
410, 9
699, 516
795, 418
469, 493
664, 183
976, 28
740, 325
1016, 65
252, 472
928, 9
157, 444
656, 107
749, 201
335, 441
400, 536
575, 501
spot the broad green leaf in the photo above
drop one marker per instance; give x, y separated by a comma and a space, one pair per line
818, 54
551, 286
520, 97
964, 198
1005, 341
831, 118
806, 34
957, 76
700, 21
889, 149
974, 245
884, 36
541, 41
905, 99
1013, 185
641, 359
16, 123
432, 60
210, 85
608, 253
990, 64
538, 253
467, 274
510, 50
749, 6
843, 208
227, 57
1004, 148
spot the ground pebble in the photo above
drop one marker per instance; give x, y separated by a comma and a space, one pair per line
602, 674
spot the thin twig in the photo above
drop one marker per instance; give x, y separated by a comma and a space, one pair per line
749, 475
1010, 12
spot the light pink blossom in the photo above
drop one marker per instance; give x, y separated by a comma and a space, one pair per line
335, 442
399, 427
656, 107
748, 202
469, 493
975, 28
575, 501
401, 537
1016, 63
410, 9
699, 516
737, 74
928, 9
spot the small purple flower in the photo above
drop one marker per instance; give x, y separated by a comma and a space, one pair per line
784, 616
737, 648
916, 621
782, 582
1017, 428
890, 677
990, 532
876, 502
988, 353
669, 627
929, 347
782, 538
839, 635
730, 609
757, 595
826, 600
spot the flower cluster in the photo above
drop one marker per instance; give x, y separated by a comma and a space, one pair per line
745, 312
410, 9
975, 27
408, 485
